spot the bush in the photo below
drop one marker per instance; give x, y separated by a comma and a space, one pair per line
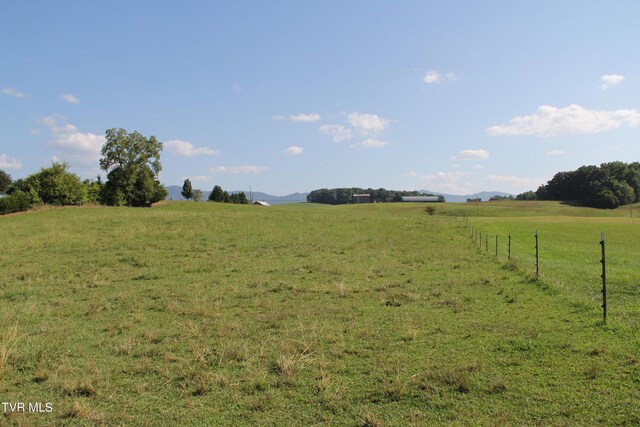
57, 186
16, 202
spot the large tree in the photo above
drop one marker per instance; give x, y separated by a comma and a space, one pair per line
217, 195
132, 163
187, 189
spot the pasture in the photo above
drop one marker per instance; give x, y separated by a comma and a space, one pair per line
211, 314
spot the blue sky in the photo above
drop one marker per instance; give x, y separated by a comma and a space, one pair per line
286, 96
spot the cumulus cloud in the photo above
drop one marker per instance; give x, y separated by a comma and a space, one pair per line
336, 132
436, 77
239, 169
12, 92
70, 98
472, 155
369, 143
550, 121
7, 162
80, 148
555, 153
411, 174
609, 80
293, 151
367, 124
187, 149
236, 88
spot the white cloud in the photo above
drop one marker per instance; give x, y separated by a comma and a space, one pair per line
70, 98
294, 151
432, 77
477, 167
369, 143
609, 80
34, 131
436, 77
515, 184
12, 92
336, 132
198, 178
367, 124
411, 174
187, 149
550, 121
301, 118
472, 155
239, 169
448, 182
80, 148
306, 118
555, 153
7, 162
236, 88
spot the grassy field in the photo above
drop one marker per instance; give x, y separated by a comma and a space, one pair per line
209, 314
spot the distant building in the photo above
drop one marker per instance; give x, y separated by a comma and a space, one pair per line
420, 198
261, 203
362, 198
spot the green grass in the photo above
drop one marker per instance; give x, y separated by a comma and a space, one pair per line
569, 258
208, 314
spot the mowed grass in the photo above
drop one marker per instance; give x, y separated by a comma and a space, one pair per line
208, 314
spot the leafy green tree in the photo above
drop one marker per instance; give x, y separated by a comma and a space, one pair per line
5, 181
187, 190
242, 198
132, 163
217, 195
527, 195
197, 195
55, 185
93, 189
607, 186
225, 197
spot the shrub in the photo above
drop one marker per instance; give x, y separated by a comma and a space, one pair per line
16, 202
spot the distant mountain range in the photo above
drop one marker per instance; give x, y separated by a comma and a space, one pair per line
175, 190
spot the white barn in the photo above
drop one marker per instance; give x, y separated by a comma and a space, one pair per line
420, 199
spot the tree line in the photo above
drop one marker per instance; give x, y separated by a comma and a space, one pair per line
606, 186
132, 164
216, 195
342, 196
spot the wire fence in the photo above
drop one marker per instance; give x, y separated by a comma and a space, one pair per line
595, 262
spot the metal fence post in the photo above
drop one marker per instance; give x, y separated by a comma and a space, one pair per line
537, 260
604, 280
509, 246
496, 246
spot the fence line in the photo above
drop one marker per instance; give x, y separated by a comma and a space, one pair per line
476, 236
